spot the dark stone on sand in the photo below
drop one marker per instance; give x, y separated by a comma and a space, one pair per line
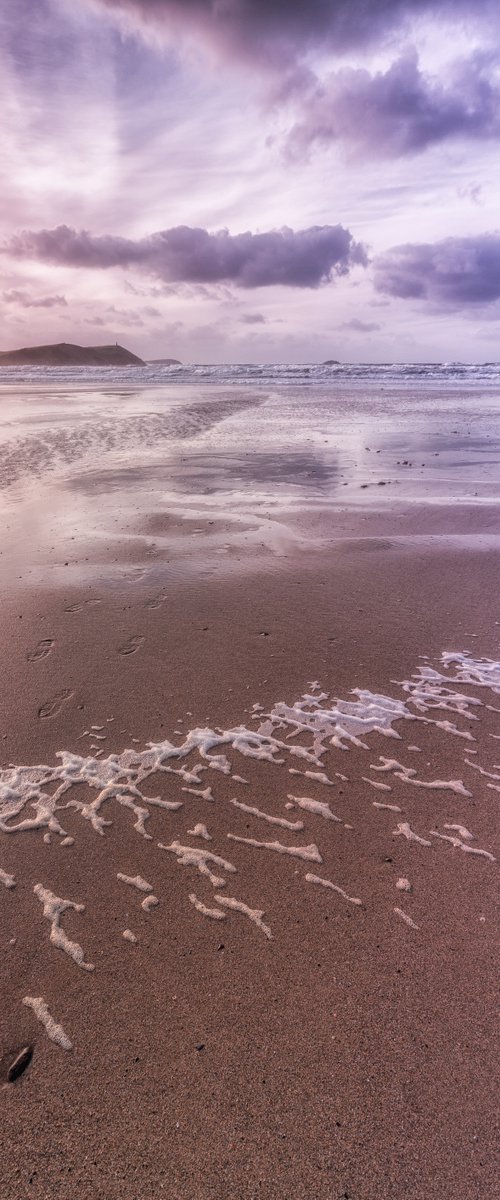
19, 1063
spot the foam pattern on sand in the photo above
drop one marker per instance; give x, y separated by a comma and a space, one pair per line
306, 738
318, 807
308, 853
54, 1031
53, 909
200, 830
294, 826
135, 881
407, 919
253, 914
188, 856
407, 774
340, 723
215, 914
310, 878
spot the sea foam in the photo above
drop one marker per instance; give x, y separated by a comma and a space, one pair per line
99, 789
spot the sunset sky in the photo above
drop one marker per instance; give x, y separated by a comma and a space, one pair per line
252, 180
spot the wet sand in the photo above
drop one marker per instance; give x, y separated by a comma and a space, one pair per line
170, 559
350, 1055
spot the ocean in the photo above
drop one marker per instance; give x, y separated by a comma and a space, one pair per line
315, 373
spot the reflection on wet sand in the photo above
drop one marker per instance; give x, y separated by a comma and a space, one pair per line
199, 479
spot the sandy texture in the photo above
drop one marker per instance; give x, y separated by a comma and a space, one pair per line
348, 1056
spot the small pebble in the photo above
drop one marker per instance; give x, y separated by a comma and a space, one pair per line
20, 1063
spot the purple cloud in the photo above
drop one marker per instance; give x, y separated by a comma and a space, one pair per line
458, 272
402, 110
302, 258
360, 326
284, 31
17, 296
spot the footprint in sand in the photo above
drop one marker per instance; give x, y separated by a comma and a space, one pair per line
155, 602
132, 646
135, 574
41, 651
54, 705
80, 604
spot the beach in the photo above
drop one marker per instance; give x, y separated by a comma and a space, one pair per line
227, 607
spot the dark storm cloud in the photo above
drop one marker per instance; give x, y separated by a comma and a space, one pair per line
305, 258
289, 29
17, 296
402, 110
458, 272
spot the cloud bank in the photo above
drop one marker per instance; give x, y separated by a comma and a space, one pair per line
397, 111
402, 110
276, 31
304, 258
457, 272
23, 298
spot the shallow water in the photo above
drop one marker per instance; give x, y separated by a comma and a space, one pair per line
209, 464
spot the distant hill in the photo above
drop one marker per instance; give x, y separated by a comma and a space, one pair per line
63, 354
331, 362
166, 362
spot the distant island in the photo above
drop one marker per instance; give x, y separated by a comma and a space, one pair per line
165, 362
64, 354
331, 362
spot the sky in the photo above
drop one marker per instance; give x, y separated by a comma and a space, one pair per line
252, 180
